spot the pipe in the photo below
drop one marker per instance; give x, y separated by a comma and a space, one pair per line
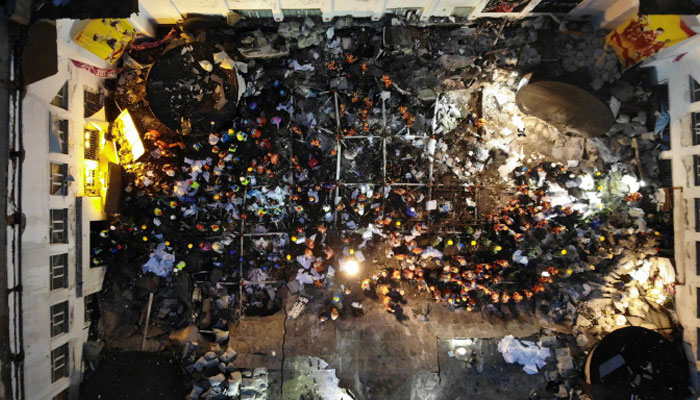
5, 350
148, 321
20, 147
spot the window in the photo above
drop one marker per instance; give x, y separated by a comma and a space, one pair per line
697, 299
59, 226
556, 6
62, 396
59, 319
59, 363
61, 99
92, 315
694, 90
59, 271
58, 135
695, 127
462, 12
92, 309
251, 14
698, 342
92, 137
408, 13
59, 172
91, 187
696, 169
697, 215
307, 12
92, 101
97, 241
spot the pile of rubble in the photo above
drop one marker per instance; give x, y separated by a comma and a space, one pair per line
215, 376
380, 143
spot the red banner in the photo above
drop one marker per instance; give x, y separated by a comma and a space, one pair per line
100, 72
150, 45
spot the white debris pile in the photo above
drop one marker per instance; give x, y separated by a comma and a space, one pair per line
528, 354
447, 116
499, 106
161, 262
313, 375
255, 384
649, 285
307, 274
454, 151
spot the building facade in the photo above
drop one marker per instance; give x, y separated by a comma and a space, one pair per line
678, 68
601, 11
63, 186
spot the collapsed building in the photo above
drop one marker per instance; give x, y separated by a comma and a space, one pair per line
318, 205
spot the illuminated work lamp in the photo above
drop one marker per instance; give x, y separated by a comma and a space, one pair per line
125, 124
461, 349
350, 266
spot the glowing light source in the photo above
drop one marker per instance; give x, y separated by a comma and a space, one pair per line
125, 124
350, 266
620, 320
460, 351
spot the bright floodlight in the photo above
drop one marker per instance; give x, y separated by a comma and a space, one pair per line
460, 351
351, 266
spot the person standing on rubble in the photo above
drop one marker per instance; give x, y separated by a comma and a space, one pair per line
471, 118
480, 126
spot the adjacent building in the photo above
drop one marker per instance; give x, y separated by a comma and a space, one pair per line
677, 70
602, 12
64, 185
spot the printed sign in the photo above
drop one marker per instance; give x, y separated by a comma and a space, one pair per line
107, 38
645, 35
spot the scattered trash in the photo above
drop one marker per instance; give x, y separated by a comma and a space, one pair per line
528, 354
323, 146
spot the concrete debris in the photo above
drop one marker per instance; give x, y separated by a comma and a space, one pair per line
312, 376
395, 147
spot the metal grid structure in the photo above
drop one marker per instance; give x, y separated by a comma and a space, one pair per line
434, 191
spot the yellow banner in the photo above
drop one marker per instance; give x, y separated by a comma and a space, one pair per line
645, 35
107, 38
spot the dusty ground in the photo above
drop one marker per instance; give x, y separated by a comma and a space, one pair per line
378, 357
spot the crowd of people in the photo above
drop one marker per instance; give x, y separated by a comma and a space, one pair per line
281, 194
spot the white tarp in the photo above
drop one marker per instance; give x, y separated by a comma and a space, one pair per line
525, 353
